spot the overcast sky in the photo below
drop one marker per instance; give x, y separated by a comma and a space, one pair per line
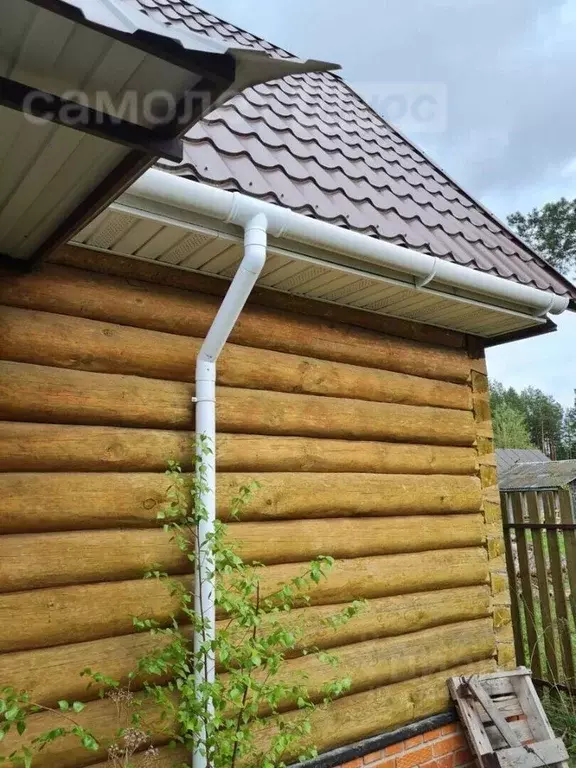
499, 87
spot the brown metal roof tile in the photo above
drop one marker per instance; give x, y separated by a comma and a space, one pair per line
310, 143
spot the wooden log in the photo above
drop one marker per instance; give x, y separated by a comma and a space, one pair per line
139, 304
62, 341
49, 674
285, 495
367, 577
71, 448
161, 274
42, 618
381, 662
103, 718
72, 501
369, 713
386, 616
72, 397
65, 502
298, 540
63, 615
38, 560
31, 561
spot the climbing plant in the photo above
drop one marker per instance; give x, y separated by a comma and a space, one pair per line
255, 712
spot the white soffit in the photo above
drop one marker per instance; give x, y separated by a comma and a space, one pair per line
198, 247
129, 66
47, 170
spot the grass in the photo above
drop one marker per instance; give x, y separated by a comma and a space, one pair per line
561, 710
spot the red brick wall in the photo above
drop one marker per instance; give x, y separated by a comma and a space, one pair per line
444, 747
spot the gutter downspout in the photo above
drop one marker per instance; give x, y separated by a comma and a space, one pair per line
255, 240
419, 268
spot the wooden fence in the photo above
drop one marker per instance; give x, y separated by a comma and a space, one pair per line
540, 537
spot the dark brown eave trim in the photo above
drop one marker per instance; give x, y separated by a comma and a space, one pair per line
359, 749
525, 333
69, 114
220, 68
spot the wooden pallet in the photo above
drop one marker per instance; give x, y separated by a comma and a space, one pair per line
505, 722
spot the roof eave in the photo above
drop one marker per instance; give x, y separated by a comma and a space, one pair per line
217, 73
527, 333
400, 282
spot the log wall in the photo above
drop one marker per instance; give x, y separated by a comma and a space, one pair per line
369, 439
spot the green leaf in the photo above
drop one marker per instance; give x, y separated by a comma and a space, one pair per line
63, 705
77, 706
89, 742
12, 713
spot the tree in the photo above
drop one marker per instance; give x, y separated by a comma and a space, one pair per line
569, 432
510, 427
544, 416
550, 428
551, 232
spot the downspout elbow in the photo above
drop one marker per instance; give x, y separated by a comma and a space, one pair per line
255, 239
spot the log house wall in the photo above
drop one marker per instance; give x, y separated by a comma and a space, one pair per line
370, 437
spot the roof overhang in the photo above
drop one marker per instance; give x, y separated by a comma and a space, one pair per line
92, 93
152, 222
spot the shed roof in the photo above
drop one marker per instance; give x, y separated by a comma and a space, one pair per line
540, 474
507, 457
310, 143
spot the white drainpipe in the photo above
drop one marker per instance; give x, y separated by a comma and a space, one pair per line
205, 399
420, 268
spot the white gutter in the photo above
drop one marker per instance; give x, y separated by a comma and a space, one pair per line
238, 209
205, 399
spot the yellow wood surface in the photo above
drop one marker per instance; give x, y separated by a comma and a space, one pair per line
69, 396
108, 264
189, 313
354, 716
70, 342
72, 448
369, 713
46, 501
68, 614
385, 661
34, 560
53, 673
359, 430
